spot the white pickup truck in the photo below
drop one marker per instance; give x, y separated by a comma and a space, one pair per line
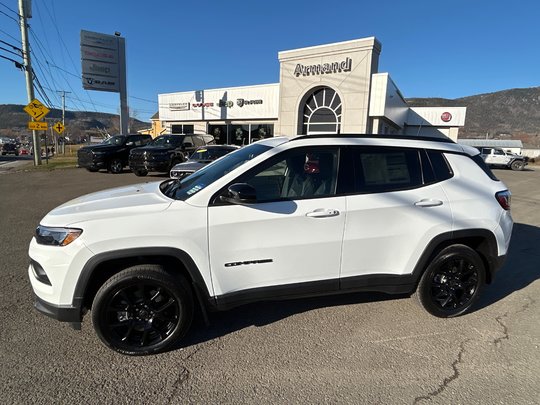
497, 157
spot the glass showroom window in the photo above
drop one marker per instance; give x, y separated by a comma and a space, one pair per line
182, 129
322, 112
219, 132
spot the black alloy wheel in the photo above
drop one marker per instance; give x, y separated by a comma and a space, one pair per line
116, 166
451, 283
142, 310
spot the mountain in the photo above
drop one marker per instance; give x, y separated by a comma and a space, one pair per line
507, 114
79, 124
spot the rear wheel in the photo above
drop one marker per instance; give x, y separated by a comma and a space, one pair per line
116, 166
451, 283
142, 310
517, 165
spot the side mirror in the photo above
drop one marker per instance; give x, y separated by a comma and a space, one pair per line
130, 143
240, 193
187, 145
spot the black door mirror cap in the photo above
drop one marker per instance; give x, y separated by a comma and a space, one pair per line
240, 193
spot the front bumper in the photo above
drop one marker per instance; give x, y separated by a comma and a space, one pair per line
71, 313
151, 166
54, 272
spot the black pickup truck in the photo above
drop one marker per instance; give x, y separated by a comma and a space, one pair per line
112, 154
165, 152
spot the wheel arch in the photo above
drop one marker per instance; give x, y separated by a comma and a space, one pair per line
482, 241
104, 265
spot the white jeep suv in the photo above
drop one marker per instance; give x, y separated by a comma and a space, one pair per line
280, 218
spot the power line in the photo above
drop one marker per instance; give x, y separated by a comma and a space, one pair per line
66, 48
12, 46
17, 64
8, 16
144, 99
11, 36
7, 50
10, 9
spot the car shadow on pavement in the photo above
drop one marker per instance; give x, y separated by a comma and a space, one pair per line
522, 266
265, 313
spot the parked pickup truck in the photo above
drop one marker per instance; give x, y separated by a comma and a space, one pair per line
112, 154
497, 157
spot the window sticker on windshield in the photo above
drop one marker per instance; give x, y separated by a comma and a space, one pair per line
194, 189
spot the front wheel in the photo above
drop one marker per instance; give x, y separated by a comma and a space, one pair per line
452, 281
142, 310
517, 165
116, 166
141, 172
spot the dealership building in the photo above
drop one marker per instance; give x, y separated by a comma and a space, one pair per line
334, 88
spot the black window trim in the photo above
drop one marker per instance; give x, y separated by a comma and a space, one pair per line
215, 201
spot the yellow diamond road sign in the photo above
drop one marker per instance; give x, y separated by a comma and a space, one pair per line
59, 127
37, 126
36, 110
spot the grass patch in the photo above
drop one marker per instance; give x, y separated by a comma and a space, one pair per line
57, 162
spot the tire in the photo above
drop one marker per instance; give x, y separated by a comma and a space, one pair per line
517, 165
140, 173
116, 166
452, 282
142, 310
92, 170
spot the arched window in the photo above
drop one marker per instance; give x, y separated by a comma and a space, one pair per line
322, 112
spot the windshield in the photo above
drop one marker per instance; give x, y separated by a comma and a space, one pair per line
114, 140
168, 141
192, 184
209, 153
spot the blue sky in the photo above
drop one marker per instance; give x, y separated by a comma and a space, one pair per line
431, 48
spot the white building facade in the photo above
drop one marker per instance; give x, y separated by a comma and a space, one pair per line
334, 88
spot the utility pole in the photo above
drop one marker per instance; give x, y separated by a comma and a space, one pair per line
63, 119
23, 14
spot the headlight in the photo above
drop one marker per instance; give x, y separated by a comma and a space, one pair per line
56, 236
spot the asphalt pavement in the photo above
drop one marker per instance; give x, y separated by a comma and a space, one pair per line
357, 348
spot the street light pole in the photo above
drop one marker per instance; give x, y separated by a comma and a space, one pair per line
23, 13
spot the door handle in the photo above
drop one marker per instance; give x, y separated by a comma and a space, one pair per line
323, 213
428, 202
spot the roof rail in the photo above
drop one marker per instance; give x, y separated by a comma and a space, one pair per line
376, 136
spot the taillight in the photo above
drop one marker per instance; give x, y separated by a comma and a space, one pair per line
504, 198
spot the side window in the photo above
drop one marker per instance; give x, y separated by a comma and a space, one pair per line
188, 141
440, 165
198, 141
209, 140
381, 169
498, 152
297, 174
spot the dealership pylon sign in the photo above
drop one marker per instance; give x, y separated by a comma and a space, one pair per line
103, 59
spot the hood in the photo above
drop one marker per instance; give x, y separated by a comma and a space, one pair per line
152, 149
190, 165
100, 148
121, 201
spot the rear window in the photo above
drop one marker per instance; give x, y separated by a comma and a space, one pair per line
480, 162
382, 169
